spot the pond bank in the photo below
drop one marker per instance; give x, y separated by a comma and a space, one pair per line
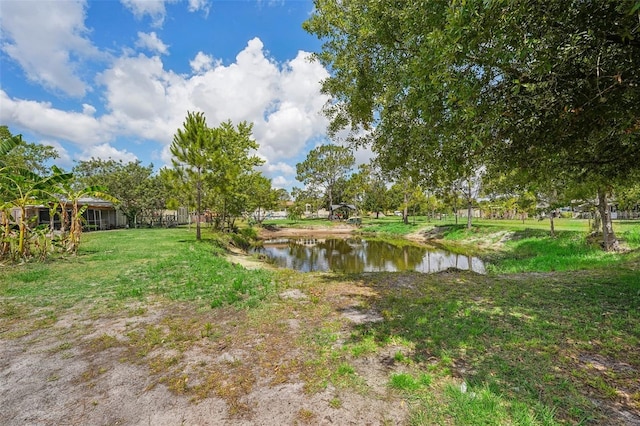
271, 232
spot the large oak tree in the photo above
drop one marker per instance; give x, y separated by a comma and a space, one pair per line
548, 87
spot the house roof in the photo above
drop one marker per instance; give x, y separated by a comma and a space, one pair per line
90, 201
342, 205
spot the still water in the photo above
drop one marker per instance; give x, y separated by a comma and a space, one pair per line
354, 255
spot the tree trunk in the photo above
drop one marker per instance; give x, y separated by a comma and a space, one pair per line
22, 225
52, 216
553, 229
469, 205
405, 211
597, 221
63, 220
75, 230
6, 245
609, 240
199, 205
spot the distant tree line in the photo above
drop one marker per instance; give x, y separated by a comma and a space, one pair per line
331, 178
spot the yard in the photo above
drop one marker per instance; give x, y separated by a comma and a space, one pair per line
148, 326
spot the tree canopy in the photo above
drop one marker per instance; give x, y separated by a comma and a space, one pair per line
323, 168
25, 155
127, 182
209, 161
548, 88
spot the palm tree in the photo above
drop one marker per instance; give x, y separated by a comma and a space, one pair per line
68, 195
6, 145
24, 188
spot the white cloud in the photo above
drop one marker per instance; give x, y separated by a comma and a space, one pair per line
88, 109
64, 159
202, 62
363, 155
42, 118
301, 77
106, 151
279, 167
284, 103
271, 3
156, 10
145, 101
240, 91
165, 155
153, 8
196, 5
281, 182
297, 117
151, 42
136, 87
53, 54
285, 131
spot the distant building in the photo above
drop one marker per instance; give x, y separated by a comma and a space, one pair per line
99, 215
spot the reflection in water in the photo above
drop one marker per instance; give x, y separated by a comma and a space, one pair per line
360, 255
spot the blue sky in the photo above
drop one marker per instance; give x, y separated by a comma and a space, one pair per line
115, 79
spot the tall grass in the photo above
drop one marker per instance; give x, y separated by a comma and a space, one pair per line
568, 251
631, 236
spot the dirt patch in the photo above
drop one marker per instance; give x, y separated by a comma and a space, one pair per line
359, 316
172, 365
602, 369
238, 257
320, 231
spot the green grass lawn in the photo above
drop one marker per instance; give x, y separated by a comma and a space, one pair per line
515, 247
115, 266
530, 348
525, 345
394, 224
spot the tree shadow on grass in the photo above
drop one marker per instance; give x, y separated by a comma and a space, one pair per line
526, 336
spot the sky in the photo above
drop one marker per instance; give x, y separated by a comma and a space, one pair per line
116, 78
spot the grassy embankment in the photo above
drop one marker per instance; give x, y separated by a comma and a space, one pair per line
510, 246
529, 348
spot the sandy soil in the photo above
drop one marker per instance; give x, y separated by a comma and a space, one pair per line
320, 231
41, 386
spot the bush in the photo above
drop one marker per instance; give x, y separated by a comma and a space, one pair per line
245, 238
249, 233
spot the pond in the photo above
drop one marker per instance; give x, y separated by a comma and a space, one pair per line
355, 255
